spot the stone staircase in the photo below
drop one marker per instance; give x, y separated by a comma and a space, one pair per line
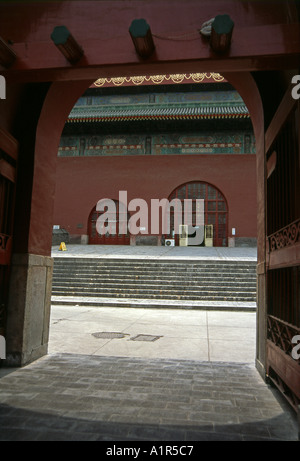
209, 284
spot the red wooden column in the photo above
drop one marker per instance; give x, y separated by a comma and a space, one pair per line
8, 175
29, 302
245, 84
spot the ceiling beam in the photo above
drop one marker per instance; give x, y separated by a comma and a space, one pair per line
270, 47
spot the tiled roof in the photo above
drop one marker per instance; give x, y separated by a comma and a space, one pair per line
155, 112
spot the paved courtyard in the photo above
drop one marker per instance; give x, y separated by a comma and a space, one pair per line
81, 397
140, 374
197, 381
171, 333
156, 252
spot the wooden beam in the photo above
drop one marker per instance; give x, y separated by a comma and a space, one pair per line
7, 55
270, 47
221, 33
285, 108
287, 368
271, 163
141, 36
284, 257
66, 43
8, 171
9, 144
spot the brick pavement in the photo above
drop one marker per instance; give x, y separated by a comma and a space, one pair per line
78, 397
70, 396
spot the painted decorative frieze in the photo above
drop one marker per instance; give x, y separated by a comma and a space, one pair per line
174, 107
158, 144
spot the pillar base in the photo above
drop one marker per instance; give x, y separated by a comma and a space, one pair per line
261, 369
28, 312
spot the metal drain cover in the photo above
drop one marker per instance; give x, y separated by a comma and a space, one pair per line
108, 335
145, 338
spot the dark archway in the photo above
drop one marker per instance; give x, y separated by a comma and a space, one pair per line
57, 105
54, 113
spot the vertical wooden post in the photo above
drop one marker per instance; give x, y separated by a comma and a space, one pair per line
221, 33
142, 38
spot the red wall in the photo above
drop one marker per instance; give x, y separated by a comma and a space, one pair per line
82, 181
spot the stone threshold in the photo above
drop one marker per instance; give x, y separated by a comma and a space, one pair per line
150, 303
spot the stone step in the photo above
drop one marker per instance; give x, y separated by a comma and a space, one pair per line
155, 303
200, 281
155, 267
153, 273
152, 260
86, 300
153, 270
186, 285
158, 283
91, 264
163, 294
162, 282
156, 295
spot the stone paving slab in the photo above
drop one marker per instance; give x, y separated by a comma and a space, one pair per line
183, 334
79, 397
95, 397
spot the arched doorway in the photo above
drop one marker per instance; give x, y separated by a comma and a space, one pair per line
215, 209
115, 226
49, 128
